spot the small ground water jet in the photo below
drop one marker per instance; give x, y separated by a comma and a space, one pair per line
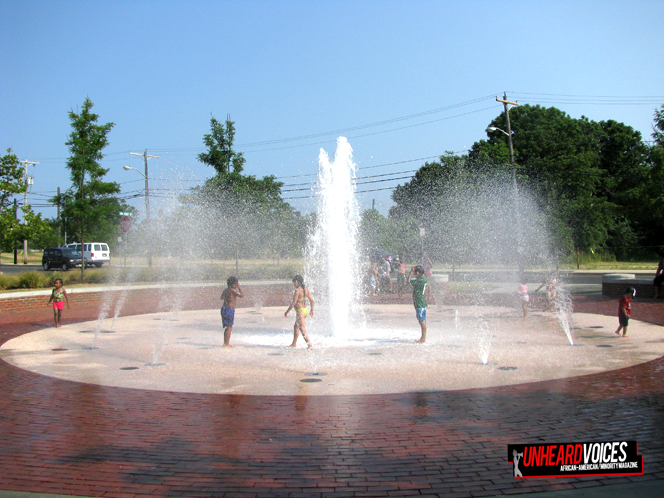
158, 349
332, 256
564, 312
103, 313
484, 342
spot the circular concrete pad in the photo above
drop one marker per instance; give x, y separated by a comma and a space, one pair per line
467, 347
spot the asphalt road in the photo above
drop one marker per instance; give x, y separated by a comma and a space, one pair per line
569, 277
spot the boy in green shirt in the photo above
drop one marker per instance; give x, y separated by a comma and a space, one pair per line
419, 284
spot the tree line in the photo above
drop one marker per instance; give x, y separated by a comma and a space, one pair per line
579, 184
593, 185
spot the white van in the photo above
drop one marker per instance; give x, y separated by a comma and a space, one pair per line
96, 253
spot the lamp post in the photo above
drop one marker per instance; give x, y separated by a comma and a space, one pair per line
147, 194
509, 137
147, 203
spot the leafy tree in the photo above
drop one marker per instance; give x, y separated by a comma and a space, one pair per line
220, 154
579, 171
651, 214
470, 213
12, 183
49, 237
90, 200
658, 127
242, 216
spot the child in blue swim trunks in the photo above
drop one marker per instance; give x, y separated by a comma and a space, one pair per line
228, 296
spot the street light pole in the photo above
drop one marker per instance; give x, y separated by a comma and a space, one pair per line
147, 195
28, 182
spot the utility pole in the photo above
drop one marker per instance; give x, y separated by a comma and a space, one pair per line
59, 220
14, 240
506, 104
28, 181
147, 198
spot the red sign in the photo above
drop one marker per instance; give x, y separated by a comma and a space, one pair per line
125, 224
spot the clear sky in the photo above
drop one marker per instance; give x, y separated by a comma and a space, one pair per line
404, 81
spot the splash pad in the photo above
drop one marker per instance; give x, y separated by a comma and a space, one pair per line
359, 349
185, 354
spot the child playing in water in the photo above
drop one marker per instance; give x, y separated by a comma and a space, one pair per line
522, 292
57, 295
228, 296
300, 296
551, 292
401, 276
625, 310
419, 284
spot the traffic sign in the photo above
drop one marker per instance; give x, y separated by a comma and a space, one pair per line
125, 223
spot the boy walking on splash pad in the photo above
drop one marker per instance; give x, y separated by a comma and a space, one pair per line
228, 296
625, 310
419, 284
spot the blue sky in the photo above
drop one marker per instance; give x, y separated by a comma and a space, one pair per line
402, 80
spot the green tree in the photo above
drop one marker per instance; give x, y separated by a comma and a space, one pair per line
220, 154
651, 196
470, 212
12, 183
90, 200
241, 215
571, 166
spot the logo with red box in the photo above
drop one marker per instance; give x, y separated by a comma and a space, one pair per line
613, 458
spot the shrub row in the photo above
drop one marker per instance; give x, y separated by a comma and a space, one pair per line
40, 280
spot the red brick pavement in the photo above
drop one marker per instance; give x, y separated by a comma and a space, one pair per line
64, 437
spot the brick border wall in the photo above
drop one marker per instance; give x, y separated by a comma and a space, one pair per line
157, 299
616, 287
198, 297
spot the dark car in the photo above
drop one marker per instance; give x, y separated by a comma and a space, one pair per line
63, 258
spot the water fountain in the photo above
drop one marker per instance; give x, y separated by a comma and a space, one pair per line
332, 257
375, 354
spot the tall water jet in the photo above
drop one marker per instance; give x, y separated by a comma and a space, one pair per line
332, 255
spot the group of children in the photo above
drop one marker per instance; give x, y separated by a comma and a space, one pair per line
301, 295
551, 294
299, 304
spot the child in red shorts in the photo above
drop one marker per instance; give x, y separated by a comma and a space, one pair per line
625, 310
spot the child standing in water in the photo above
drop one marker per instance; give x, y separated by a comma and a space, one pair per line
625, 310
300, 296
228, 296
57, 296
401, 276
419, 284
523, 296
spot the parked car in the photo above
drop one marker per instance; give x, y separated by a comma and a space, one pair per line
63, 258
96, 253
